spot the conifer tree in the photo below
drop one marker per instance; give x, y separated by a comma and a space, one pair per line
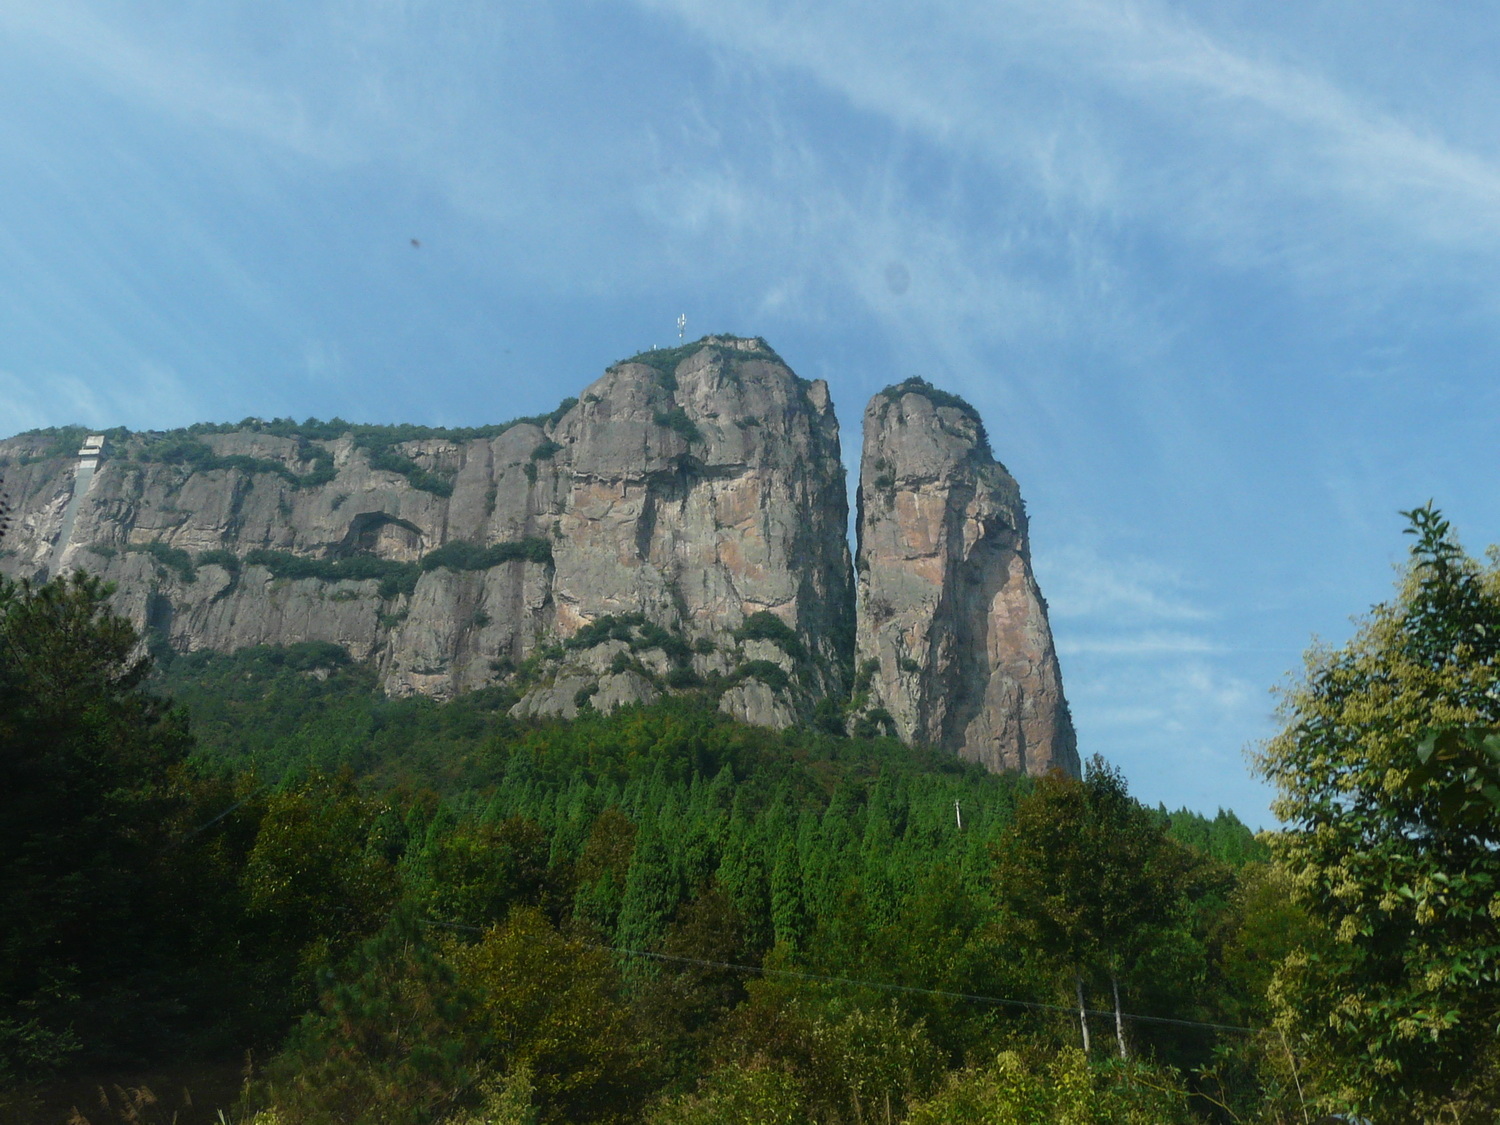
651, 894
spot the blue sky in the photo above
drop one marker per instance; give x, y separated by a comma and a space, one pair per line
1221, 278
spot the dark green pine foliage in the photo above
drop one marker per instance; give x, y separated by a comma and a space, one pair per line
388, 1045
789, 920
91, 807
652, 892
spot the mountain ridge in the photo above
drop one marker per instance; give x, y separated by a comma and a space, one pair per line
680, 525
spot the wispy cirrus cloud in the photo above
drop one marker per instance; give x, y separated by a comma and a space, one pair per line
1147, 643
1128, 110
1084, 584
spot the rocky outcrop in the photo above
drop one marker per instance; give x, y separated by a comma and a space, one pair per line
681, 523
954, 646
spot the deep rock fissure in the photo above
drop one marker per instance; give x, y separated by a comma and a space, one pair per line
730, 501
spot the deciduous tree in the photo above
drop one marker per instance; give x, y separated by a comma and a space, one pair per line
1396, 854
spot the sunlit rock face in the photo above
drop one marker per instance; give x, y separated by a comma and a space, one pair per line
682, 523
954, 647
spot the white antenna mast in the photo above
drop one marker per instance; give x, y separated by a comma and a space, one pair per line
681, 325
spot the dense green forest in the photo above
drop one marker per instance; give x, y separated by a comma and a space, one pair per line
411, 911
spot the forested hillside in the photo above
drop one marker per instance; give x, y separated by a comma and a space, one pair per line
411, 911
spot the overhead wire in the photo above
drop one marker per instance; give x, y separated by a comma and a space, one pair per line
969, 997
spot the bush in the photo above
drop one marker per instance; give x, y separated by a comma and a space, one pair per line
391, 1045
394, 577
764, 625
462, 554
773, 676
174, 559
678, 422
1063, 1091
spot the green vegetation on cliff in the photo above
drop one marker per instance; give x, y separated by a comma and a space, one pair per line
382, 444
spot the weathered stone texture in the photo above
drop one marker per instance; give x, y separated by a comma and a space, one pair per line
682, 524
954, 643
689, 490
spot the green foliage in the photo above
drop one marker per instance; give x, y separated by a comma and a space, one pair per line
548, 1004
174, 559
460, 554
92, 799
609, 627
1065, 1090
774, 676
290, 710
182, 447
1392, 845
1090, 877
63, 441
666, 360
740, 1094
763, 625
678, 422
314, 879
641, 635
472, 874
916, 385
1224, 836
395, 578
877, 722
386, 1046
919, 386
220, 557
515, 854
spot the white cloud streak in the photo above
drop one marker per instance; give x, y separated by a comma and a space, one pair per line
1039, 86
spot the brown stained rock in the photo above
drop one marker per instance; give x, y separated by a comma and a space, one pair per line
952, 627
685, 490
693, 492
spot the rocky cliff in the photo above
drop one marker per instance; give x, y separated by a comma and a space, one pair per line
682, 522
680, 525
954, 648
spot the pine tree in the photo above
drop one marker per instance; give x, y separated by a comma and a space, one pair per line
652, 891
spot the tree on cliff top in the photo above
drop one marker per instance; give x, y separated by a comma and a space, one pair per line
1395, 848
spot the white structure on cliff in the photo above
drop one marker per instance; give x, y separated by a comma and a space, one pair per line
89, 456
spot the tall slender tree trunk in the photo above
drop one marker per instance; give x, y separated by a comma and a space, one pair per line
1119, 1019
1083, 1018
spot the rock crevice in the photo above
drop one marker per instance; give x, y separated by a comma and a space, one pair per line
681, 525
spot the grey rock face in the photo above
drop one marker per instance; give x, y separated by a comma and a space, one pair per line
680, 525
954, 645
683, 494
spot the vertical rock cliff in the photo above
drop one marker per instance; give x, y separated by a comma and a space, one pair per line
954, 648
681, 524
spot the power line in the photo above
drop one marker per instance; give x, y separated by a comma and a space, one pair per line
970, 997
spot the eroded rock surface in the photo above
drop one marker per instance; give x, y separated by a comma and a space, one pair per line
681, 525
687, 506
954, 647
